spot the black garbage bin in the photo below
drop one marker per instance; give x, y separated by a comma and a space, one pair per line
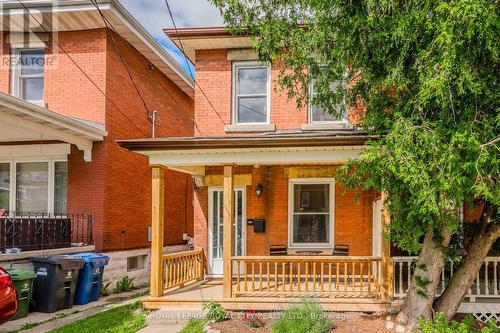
55, 282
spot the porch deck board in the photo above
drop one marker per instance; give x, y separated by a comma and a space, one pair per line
211, 290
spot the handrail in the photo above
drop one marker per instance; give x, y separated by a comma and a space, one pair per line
486, 284
184, 267
306, 276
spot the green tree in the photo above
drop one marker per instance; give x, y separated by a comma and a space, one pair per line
427, 73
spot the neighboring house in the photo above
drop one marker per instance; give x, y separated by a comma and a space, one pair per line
65, 97
290, 230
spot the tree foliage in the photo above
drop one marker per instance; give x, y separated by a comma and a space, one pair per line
427, 73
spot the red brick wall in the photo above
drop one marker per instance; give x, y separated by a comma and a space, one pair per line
4, 65
127, 201
213, 75
352, 220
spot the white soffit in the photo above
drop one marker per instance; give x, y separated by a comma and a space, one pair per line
25, 121
251, 156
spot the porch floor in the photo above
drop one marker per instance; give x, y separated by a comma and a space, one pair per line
194, 295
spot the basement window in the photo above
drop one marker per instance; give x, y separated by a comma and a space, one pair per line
136, 262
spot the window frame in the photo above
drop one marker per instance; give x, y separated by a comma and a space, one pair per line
236, 65
310, 107
51, 180
16, 75
306, 181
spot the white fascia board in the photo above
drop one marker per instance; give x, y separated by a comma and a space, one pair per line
133, 25
269, 156
18, 152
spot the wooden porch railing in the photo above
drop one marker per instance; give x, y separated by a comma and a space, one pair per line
486, 284
303, 276
181, 268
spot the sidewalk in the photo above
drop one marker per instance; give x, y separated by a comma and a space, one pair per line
49, 321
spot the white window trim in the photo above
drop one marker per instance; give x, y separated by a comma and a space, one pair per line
16, 73
291, 183
310, 110
51, 178
250, 64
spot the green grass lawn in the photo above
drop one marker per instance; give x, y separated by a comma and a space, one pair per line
123, 319
194, 326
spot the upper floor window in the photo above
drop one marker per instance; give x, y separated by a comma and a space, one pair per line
28, 74
318, 114
250, 93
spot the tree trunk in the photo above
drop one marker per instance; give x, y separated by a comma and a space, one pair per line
467, 272
420, 297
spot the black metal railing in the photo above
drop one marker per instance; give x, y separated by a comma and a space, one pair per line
40, 231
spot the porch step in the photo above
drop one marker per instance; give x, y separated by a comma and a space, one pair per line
173, 316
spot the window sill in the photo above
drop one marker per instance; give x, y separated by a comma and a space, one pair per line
250, 128
326, 126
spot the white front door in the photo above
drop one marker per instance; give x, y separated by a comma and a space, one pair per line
215, 228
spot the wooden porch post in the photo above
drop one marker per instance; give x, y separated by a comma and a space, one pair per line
387, 264
157, 214
228, 230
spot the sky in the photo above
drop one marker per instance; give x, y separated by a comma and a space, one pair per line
153, 16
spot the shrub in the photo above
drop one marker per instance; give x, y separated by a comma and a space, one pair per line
125, 284
253, 320
215, 312
305, 318
441, 325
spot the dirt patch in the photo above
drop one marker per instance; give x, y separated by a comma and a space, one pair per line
342, 323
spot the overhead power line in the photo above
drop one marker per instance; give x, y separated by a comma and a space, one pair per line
110, 27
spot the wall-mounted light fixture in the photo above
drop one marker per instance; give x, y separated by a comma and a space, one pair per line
258, 190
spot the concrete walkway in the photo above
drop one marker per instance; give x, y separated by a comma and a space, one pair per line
49, 321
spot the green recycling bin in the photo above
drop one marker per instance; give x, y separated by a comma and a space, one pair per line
23, 282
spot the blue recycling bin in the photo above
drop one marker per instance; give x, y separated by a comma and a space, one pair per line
89, 284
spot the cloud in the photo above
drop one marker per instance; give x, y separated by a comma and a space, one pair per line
153, 16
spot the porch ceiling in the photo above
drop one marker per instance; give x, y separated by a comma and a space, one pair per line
25, 121
289, 148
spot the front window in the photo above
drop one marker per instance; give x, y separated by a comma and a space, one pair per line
34, 187
28, 74
250, 93
311, 213
318, 114
4, 186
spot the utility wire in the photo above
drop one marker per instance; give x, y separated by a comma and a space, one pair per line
79, 68
187, 62
110, 26
148, 113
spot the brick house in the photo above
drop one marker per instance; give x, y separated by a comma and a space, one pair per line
66, 95
280, 163
271, 224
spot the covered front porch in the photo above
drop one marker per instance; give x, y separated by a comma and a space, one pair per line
256, 194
